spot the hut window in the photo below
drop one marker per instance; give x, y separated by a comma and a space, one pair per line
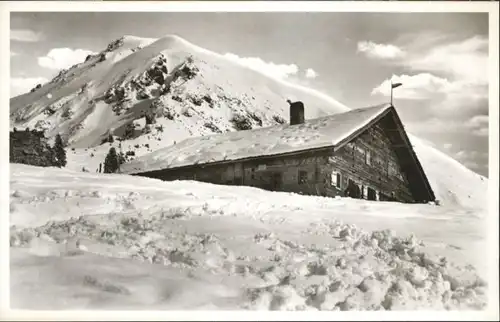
368, 157
336, 179
302, 177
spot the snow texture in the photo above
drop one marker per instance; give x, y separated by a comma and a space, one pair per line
96, 241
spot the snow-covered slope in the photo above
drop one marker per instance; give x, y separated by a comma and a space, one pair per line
190, 90
96, 241
452, 182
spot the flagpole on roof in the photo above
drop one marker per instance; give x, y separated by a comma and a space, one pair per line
394, 85
391, 91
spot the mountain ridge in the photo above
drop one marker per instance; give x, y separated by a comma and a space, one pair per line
81, 89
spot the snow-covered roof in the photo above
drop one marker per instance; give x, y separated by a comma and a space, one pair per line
314, 133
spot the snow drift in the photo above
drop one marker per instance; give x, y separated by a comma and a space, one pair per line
452, 182
96, 241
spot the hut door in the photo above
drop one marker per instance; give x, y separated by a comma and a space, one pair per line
353, 189
276, 181
238, 174
371, 194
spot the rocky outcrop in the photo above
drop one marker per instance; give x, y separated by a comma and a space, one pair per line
241, 122
161, 90
115, 44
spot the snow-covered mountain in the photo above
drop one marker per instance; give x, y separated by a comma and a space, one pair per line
187, 89
151, 93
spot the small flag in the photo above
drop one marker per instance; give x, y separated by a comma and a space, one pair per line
396, 85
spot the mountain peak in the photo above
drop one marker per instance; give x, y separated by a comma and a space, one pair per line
175, 42
174, 39
130, 38
192, 90
128, 42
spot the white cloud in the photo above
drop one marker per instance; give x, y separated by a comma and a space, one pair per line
445, 95
471, 159
463, 63
311, 73
25, 35
279, 71
61, 58
21, 85
435, 125
283, 74
380, 51
465, 60
420, 86
451, 74
479, 125
484, 131
478, 121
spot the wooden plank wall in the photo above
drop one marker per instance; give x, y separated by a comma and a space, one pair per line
350, 161
382, 174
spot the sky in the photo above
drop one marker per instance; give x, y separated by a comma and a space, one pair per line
440, 58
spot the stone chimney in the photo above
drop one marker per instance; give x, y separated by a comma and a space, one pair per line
296, 112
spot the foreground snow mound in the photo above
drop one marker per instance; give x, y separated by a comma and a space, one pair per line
133, 242
354, 271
